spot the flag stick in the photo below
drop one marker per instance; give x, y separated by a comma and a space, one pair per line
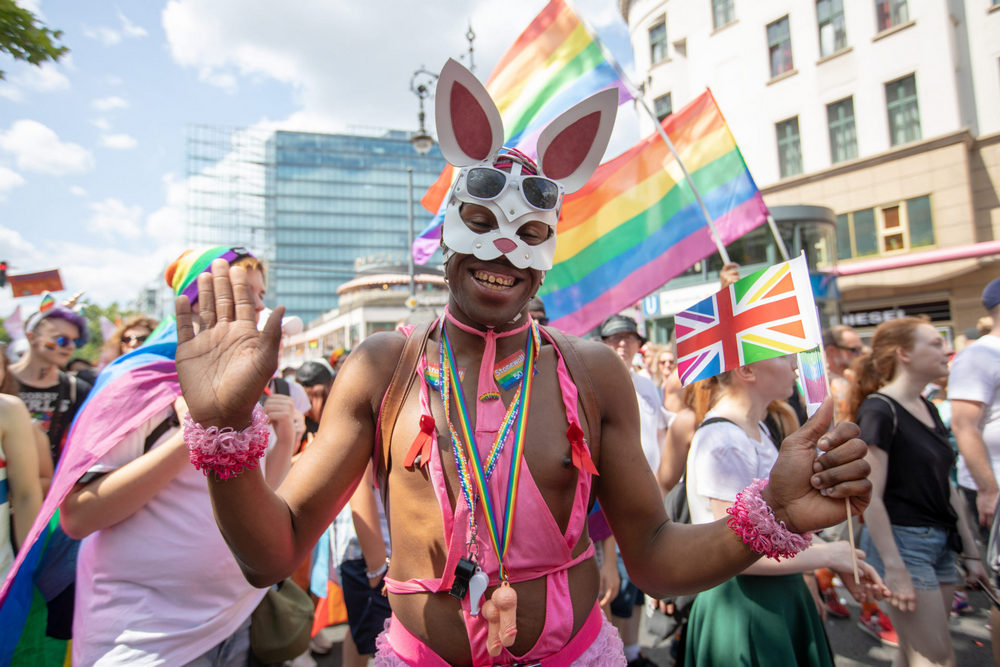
778, 241
639, 97
847, 501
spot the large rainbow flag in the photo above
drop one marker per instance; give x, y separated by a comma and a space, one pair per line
554, 64
636, 224
768, 314
148, 372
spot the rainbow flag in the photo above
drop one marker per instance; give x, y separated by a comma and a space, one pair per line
768, 314
636, 224
554, 64
147, 372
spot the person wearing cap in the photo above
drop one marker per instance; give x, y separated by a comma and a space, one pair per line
316, 377
620, 333
156, 583
974, 393
51, 395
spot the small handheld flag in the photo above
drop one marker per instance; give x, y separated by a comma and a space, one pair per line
768, 314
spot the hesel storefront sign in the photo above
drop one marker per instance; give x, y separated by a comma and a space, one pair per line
937, 311
866, 318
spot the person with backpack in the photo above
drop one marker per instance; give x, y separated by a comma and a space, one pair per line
156, 583
915, 524
765, 614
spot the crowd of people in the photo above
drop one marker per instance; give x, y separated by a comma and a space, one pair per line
483, 488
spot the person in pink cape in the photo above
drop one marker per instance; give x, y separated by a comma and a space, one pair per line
490, 436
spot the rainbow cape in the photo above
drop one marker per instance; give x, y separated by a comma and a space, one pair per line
554, 64
636, 224
128, 392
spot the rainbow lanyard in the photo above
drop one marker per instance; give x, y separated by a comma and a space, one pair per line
467, 458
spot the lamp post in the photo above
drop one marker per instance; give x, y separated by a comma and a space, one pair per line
420, 84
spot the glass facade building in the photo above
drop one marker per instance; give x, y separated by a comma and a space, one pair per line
325, 201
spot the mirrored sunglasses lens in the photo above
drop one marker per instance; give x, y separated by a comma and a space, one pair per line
64, 341
485, 183
540, 192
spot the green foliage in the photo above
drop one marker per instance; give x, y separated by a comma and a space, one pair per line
4, 336
23, 37
92, 312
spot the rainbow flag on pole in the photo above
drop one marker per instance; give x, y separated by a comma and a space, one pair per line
554, 64
148, 373
636, 224
768, 314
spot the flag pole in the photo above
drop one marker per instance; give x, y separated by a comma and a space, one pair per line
639, 97
847, 501
780, 242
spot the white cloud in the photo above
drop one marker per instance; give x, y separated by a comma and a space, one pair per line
166, 224
109, 103
47, 78
109, 36
291, 43
9, 179
37, 148
77, 191
118, 141
101, 124
113, 219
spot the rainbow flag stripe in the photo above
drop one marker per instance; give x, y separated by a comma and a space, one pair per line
636, 224
554, 64
147, 372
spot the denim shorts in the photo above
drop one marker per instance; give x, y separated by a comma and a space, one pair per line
925, 552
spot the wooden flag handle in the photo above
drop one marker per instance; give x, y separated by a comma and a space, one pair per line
850, 538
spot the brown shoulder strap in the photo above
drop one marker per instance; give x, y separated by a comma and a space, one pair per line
584, 384
399, 385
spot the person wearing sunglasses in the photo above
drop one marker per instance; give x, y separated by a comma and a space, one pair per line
129, 336
53, 398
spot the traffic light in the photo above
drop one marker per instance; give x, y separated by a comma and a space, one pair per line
3, 273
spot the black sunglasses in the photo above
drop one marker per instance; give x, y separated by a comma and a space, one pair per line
852, 350
488, 183
128, 340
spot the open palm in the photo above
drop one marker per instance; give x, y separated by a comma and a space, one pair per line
224, 367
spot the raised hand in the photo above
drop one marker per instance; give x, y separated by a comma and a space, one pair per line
807, 491
224, 367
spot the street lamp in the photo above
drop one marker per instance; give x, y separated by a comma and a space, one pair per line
420, 84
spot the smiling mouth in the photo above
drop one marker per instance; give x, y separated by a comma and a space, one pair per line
493, 281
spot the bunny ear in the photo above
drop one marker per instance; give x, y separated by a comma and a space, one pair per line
468, 124
571, 146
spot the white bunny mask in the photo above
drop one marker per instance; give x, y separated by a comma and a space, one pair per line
470, 132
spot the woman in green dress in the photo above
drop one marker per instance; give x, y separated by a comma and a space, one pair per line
766, 615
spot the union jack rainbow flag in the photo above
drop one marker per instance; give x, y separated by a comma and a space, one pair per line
767, 314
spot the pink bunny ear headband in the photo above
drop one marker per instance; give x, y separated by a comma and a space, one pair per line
470, 132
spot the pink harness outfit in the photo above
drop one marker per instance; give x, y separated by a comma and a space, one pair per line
538, 547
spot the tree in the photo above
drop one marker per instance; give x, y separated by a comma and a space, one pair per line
25, 38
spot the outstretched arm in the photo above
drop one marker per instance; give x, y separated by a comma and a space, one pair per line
223, 370
652, 547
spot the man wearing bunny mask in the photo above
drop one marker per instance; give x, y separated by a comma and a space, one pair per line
492, 562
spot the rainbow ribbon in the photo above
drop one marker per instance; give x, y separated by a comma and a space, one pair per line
467, 457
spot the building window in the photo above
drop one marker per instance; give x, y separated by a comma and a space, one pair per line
832, 28
789, 147
843, 136
779, 44
723, 14
658, 41
889, 13
904, 114
663, 107
892, 228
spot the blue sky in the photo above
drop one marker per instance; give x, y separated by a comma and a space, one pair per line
92, 168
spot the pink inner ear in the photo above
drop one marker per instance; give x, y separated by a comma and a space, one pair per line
469, 123
569, 148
